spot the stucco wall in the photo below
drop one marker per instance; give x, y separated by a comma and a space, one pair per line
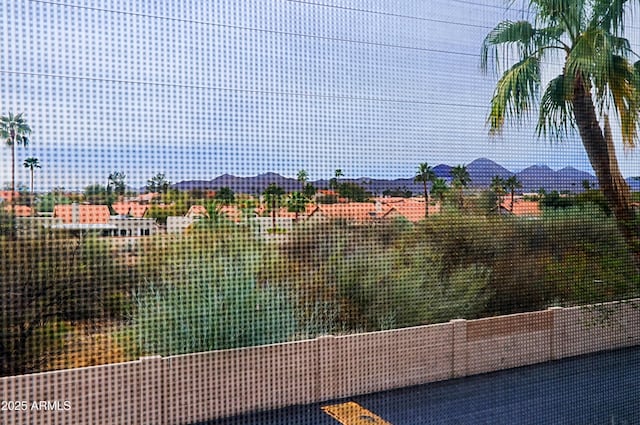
197, 387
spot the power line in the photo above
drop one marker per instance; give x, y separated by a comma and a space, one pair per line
395, 15
291, 34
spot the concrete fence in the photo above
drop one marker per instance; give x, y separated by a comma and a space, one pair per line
197, 387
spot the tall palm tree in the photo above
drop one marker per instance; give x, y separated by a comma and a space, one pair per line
334, 183
461, 179
273, 195
15, 131
297, 203
511, 184
498, 186
439, 188
32, 163
303, 176
597, 80
425, 175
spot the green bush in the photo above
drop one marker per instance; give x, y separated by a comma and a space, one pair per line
228, 312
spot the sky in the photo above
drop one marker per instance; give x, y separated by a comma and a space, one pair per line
198, 89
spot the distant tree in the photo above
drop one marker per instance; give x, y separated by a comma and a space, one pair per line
401, 192
273, 195
498, 186
334, 183
225, 196
439, 189
586, 184
31, 163
511, 184
303, 176
158, 184
15, 131
425, 175
297, 203
310, 191
116, 183
97, 194
461, 179
554, 200
353, 192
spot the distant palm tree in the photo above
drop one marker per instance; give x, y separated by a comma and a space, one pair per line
512, 183
303, 176
334, 183
439, 188
425, 175
32, 163
497, 186
273, 195
15, 131
297, 203
461, 179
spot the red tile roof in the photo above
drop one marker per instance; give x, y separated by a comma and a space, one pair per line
523, 208
410, 208
130, 208
19, 210
197, 211
232, 212
87, 214
357, 212
8, 195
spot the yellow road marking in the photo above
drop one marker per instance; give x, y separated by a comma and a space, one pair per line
351, 413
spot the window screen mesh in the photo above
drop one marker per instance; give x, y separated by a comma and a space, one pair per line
349, 211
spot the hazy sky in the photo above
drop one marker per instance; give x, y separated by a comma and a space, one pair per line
196, 88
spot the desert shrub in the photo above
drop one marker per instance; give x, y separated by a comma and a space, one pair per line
227, 312
50, 280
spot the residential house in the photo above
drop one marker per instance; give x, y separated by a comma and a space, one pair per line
96, 218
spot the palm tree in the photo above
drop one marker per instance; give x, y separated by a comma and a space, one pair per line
334, 183
597, 80
425, 175
32, 163
15, 131
439, 188
303, 176
461, 179
498, 185
297, 203
511, 184
273, 195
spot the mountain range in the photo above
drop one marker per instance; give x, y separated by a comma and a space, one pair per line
481, 171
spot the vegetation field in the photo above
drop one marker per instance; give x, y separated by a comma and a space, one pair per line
69, 301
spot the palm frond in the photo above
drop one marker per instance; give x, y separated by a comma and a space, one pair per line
566, 13
593, 57
556, 118
515, 93
622, 86
506, 36
609, 15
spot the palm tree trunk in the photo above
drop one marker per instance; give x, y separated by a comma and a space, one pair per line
13, 172
601, 151
32, 197
426, 201
273, 216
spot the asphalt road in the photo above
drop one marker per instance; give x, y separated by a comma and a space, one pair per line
597, 389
